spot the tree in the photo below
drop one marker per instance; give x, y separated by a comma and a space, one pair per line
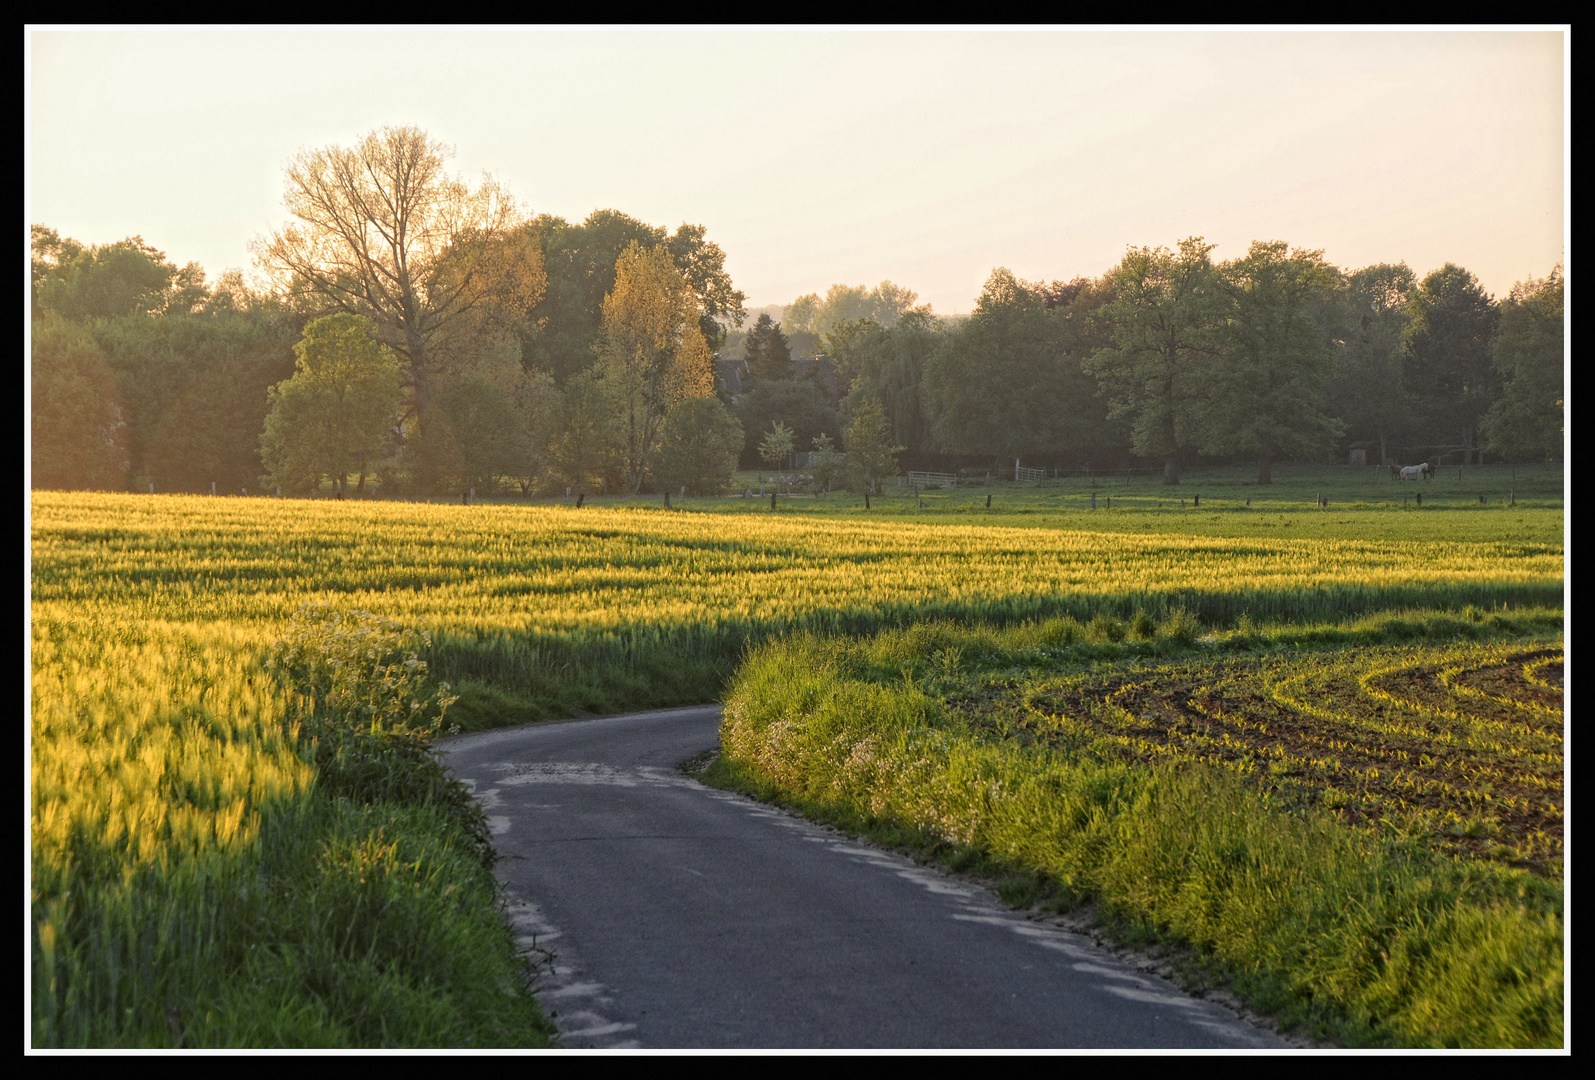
563, 327
193, 387
698, 447
1526, 420
827, 463
1009, 379
382, 231
871, 455
1450, 378
766, 350
1262, 394
129, 277
79, 439
776, 446
652, 353
337, 413
1160, 319
1368, 387
489, 431
795, 403
583, 445
884, 304
887, 364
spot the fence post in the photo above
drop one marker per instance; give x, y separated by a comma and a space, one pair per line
1093, 500
988, 500
213, 487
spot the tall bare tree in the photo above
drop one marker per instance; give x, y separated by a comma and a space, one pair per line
382, 230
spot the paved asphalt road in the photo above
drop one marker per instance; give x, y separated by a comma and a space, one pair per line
676, 915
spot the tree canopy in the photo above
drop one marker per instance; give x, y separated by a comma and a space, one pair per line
1526, 421
381, 230
766, 350
1160, 316
652, 353
1262, 392
336, 415
1449, 376
580, 259
884, 304
1009, 380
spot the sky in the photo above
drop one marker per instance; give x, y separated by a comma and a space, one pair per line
925, 157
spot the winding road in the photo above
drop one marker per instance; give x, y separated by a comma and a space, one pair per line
671, 914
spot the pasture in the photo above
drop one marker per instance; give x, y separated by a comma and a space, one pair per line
187, 839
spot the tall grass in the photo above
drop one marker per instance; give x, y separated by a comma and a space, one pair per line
217, 861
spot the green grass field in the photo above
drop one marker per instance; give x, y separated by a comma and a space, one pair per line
188, 838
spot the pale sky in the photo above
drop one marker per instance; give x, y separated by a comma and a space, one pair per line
926, 157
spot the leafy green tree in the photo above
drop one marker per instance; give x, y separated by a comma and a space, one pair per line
583, 445
827, 463
884, 304
336, 415
871, 454
1263, 393
776, 446
1526, 421
1009, 380
1450, 378
767, 351
490, 432
129, 277
1160, 319
698, 447
888, 366
564, 326
652, 353
194, 387
79, 437
845, 344
796, 403
1367, 391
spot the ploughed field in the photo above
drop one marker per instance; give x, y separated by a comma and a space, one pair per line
1459, 743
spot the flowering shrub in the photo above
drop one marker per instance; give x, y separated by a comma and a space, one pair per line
362, 671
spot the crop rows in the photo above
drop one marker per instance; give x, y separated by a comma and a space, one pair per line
1461, 743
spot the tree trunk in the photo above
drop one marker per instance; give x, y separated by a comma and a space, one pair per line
360, 488
1171, 469
1265, 473
340, 484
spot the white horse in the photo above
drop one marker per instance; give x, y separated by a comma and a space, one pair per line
1417, 472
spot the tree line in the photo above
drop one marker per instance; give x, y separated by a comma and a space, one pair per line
1170, 357
415, 331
